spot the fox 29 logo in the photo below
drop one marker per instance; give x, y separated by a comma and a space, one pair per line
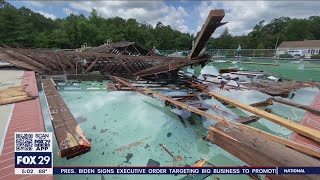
33, 159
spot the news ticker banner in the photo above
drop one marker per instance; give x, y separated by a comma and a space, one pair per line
33, 155
186, 170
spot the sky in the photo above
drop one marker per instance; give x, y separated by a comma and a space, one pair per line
183, 15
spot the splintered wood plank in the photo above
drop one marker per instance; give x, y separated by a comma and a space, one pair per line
312, 120
212, 23
127, 84
259, 151
14, 94
242, 127
296, 105
301, 129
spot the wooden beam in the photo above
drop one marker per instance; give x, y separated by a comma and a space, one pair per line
124, 66
72, 66
259, 151
296, 105
267, 102
91, 65
129, 64
247, 120
60, 64
38, 59
213, 21
189, 108
300, 129
297, 146
127, 84
294, 145
24, 58
70, 137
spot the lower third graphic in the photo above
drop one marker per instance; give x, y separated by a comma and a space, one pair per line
33, 153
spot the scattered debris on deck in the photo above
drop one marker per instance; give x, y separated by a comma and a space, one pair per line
14, 94
137, 143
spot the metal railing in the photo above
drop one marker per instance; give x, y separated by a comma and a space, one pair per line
225, 52
243, 52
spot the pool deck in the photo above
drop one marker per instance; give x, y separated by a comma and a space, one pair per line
310, 120
26, 117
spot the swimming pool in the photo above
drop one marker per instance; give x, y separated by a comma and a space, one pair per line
114, 119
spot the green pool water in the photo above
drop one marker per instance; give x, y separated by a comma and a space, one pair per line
116, 119
112, 119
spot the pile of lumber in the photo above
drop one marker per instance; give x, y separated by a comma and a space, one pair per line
256, 150
14, 94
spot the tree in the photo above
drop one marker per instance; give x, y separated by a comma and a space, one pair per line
24, 28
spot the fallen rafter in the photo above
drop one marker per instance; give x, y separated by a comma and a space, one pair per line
296, 105
119, 80
242, 127
70, 137
256, 150
212, 23
301, 129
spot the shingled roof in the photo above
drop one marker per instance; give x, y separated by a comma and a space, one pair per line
300, 44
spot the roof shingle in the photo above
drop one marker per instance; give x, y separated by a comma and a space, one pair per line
300, 44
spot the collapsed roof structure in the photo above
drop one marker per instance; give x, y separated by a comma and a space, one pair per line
124, 59
124, 48
129, 60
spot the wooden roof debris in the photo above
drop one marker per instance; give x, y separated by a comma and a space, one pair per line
126, 84
267, 102
273, 88
82, 63
18, 62
312, 120
167, 151
212, 22
124, 59
124, 48
296, 105
282, 89
70, 137
256, 150
139, 142
303, 130
242, 127
14, 94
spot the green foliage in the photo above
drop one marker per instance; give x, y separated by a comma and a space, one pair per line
264, 36
285, 56
316, 56
25, 28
